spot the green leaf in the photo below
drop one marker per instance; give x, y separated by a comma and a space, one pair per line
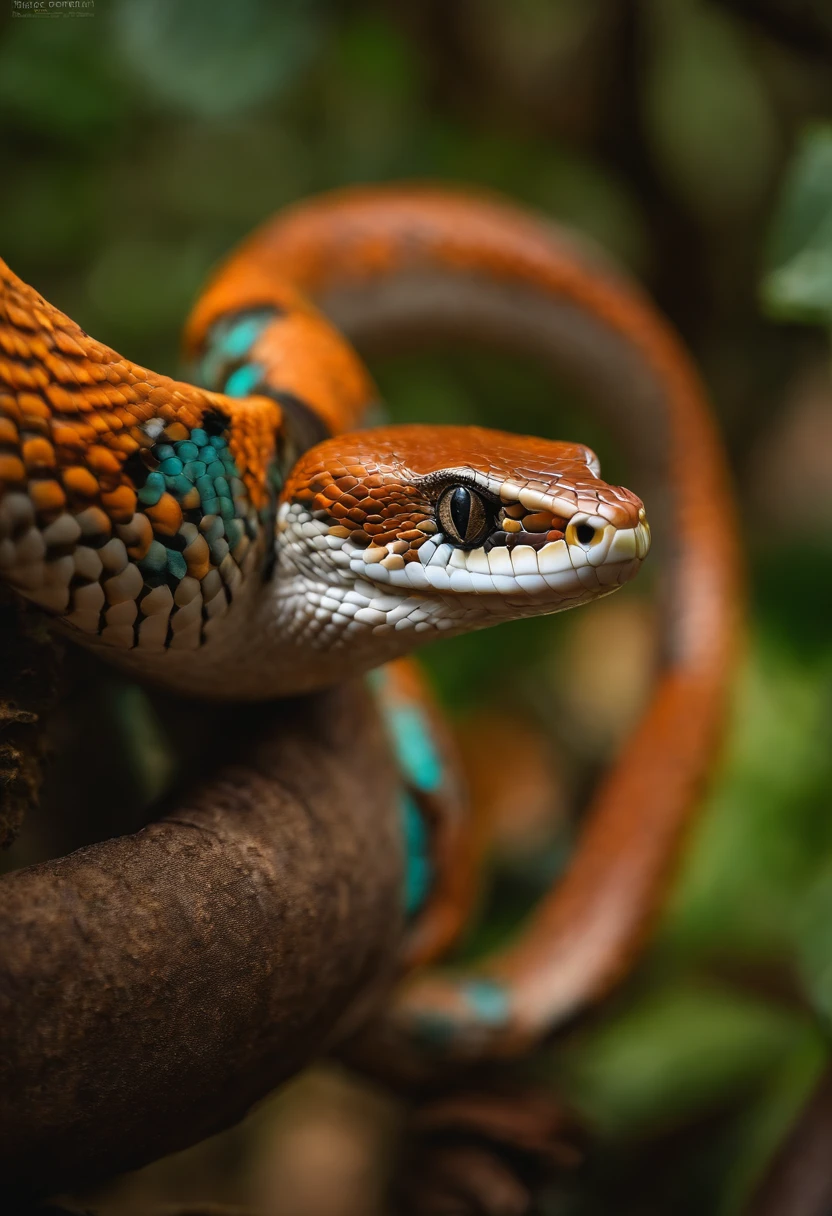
798, 283
678, 1050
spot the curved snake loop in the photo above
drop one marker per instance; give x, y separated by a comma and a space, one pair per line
387, 267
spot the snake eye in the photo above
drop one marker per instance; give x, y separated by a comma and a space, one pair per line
463, 516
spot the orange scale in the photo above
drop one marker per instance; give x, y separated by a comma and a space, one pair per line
125, 443
19, 317
166, 515
120, 503
21, 377
79, 480
59, 368
176, 432
21, 347
43, 320
11, 469
198, 557
81, 375
67, 344
38, 453
47, 496
9, 406
66, 436
62, 400
8, 431
33, 406
95, 371
102, 460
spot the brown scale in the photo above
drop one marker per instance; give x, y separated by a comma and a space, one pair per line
522, 527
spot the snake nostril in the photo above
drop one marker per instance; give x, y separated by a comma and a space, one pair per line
585, 534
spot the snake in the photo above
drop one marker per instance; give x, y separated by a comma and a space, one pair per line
249, 533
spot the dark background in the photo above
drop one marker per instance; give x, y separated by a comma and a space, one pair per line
140, 141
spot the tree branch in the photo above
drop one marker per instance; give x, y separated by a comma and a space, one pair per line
154, 986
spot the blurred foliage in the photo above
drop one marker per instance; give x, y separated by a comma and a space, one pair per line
688, 138
798, 287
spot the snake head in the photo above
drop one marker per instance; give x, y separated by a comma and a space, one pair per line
415, 529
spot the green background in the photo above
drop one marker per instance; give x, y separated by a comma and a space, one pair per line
139, 143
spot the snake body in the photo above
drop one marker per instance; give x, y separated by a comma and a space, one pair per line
239, 536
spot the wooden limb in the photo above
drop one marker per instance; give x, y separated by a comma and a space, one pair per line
153, 987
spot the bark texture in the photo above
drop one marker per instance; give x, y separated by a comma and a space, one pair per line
153, 987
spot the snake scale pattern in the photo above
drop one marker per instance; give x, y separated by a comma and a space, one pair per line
241, 535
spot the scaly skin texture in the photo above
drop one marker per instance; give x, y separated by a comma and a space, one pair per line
92, 529
141, 511
387, 266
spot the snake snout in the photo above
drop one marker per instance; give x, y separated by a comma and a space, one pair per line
597, 541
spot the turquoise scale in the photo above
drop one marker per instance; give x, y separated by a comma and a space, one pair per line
200, 471
224, 365
420, 761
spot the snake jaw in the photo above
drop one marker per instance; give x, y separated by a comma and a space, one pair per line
365, 556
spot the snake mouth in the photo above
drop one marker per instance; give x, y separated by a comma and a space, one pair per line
592, 555
592, 558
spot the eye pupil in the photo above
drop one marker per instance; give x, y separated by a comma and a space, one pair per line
460, 506
463, 516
